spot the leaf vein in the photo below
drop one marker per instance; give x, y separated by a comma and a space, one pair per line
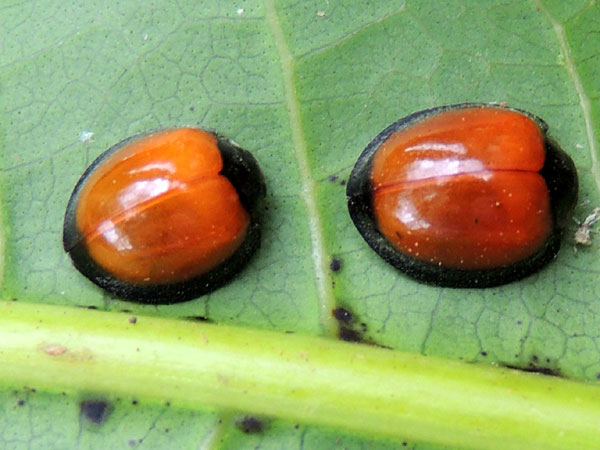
308, 189
584, 100
352, 33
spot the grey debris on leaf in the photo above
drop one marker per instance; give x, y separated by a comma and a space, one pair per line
582, 234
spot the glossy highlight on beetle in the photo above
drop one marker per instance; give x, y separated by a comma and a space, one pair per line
166, 216
470, 195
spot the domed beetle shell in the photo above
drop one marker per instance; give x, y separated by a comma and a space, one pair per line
167, 215
452, 210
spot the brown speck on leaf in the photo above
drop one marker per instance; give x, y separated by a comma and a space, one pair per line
132, 319
55, 350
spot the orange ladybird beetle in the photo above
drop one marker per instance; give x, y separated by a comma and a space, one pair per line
166, 216
469, 195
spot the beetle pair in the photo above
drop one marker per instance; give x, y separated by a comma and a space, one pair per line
470, 195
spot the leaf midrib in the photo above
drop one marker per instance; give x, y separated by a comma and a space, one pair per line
308, 193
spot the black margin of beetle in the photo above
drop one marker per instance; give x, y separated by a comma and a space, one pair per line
248, 181
563, 193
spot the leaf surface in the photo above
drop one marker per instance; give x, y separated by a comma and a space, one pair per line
305, 86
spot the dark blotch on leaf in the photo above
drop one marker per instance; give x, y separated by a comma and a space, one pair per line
342, 315
546, 371
249, 424
349, 331
335, 265
21, 402
535, 368
349, 335
96, 411
197, 318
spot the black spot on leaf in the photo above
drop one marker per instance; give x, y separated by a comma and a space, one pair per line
96, 411
335, 265
249, 425
350, 335
342, 315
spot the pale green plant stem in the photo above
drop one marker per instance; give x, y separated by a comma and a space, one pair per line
304, 379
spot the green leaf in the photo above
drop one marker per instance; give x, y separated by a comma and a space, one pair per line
304, 86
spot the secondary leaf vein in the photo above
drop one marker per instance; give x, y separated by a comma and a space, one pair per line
584, 101
353, 33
